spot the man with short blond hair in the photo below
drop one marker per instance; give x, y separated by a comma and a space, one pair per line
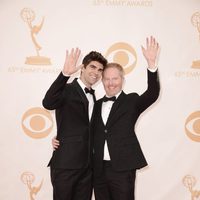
117, 152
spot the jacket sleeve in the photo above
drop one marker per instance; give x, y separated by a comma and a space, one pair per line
152, 92
54, 95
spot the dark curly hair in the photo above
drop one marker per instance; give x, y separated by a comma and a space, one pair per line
94, 56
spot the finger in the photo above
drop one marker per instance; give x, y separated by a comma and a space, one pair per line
151, 42
57, 143
54, 141
55, 148
77, 53
77, 50
143, 49
67, 53
71, 52
157, 45
154, 41
147, 42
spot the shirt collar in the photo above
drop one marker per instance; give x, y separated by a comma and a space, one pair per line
80, 82
116, 94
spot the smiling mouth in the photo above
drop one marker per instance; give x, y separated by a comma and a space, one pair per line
94, 77
111, 88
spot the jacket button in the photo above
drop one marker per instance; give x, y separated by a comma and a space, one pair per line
105, 131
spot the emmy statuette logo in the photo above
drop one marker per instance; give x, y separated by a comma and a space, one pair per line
195, 20
189, 182
28, 17
28, 178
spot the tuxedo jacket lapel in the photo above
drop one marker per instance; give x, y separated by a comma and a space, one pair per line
82, 96
115, 108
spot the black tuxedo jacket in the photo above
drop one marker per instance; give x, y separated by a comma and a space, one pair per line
73, 125
123, 145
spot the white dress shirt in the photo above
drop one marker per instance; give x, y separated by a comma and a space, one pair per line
105, 111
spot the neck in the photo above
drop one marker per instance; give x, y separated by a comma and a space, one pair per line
85, 83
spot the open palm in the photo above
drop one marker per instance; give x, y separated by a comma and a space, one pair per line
151, 51
71, 61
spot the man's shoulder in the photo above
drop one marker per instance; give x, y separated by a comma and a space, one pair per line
99, 100
131, 95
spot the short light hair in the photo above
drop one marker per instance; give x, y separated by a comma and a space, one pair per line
114, 65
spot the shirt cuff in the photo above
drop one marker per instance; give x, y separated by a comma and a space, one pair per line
153, 70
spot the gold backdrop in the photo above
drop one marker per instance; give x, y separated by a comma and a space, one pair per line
33, 39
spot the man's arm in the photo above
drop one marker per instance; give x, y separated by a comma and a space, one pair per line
151, 94
53, 98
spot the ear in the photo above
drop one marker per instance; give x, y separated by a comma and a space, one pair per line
82, 68
123, 82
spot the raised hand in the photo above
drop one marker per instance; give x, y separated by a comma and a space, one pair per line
71, 61
151, 52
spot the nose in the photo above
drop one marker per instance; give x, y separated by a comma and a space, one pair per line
110, 82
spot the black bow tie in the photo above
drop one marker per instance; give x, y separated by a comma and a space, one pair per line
109, 98
91, 91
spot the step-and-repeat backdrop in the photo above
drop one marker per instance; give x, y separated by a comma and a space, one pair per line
33, 39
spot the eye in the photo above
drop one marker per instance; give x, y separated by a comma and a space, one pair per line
192, 126
93, 66
100, 70
124, 54
37, 123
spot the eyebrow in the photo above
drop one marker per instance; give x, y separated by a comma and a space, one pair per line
101, 68
93, 65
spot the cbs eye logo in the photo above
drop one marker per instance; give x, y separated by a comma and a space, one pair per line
37, 123
124, 54
192, 126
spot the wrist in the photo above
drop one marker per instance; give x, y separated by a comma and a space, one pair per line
151, 64
66, 74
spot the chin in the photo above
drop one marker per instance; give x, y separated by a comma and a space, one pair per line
110, 94
95, 81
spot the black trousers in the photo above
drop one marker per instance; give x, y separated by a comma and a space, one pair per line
114, 185
71, 184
